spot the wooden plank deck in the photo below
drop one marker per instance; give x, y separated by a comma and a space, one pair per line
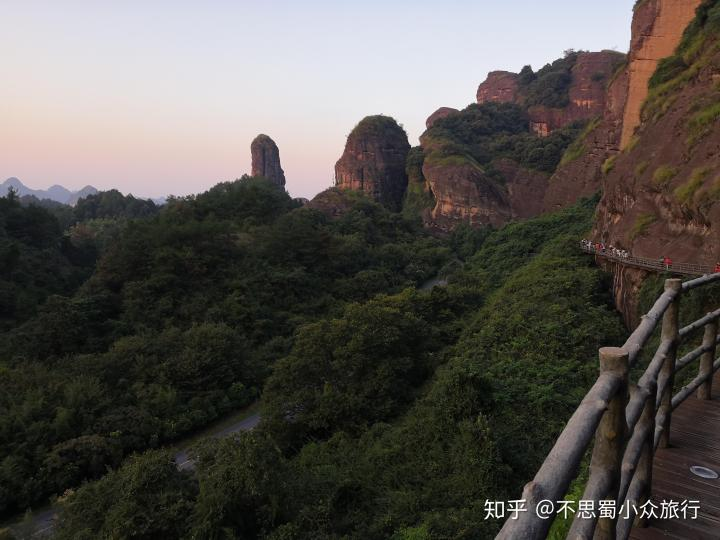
694, 440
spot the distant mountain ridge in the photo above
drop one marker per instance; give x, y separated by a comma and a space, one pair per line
54, 193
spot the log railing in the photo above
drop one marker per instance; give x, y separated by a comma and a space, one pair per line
626, 421
656, 265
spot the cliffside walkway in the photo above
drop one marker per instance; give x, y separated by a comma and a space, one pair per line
654, 265
694, 440
654, 446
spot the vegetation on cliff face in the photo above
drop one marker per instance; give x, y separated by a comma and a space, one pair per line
550, 85
663, 175
393, 415
697, 49
578, 147
489, 131
418, 198
377, 126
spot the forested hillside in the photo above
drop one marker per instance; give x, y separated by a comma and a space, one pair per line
388, 411
181, 320
36, 260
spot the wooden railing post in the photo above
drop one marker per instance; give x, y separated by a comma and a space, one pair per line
610, 436
643, 474
670, 332
707, 359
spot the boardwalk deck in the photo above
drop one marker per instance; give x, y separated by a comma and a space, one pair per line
653, 265
694, 440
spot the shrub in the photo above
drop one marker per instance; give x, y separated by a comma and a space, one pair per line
578, 147
686, 192
551, 84
642, 224
664, 174
632, 144
702, 122
609, 165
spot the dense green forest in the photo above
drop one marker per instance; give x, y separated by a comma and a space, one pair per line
387, 411
181, 320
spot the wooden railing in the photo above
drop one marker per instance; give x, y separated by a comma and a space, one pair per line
656, 265
627, 422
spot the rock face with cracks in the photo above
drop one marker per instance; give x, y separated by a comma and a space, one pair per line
374, 161
266, 160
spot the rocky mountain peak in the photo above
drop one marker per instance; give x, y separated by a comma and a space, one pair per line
266, 160
374, 160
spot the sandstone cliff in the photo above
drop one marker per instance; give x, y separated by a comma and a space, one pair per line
661, 194
442, 112
266, 160
580, 172
464, 193
657, 28
374, 161
569, 90
499, 87
482, 166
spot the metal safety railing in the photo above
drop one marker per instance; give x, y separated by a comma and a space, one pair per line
657, 265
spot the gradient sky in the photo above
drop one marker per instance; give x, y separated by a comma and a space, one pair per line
164, 96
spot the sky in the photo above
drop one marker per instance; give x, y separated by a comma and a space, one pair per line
164, 97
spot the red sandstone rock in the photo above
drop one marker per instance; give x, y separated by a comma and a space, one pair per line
657, 28
660, 198
442, 112
374, 161
499, 87
464, 194
266, 160
590, 76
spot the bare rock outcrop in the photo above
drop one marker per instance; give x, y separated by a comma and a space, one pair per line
442, 112
589, 77
587, 93
581, 176
525, 188
266, 160
464, 194
657, 28
661, 193
374, 161
499, 87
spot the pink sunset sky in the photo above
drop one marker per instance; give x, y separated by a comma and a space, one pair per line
164, 97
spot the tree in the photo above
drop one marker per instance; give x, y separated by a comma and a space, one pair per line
243, 488
348, 372
146, 498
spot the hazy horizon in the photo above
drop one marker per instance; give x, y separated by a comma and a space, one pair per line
165, 98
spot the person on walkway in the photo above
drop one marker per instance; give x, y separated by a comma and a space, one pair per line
667, 262
717, 268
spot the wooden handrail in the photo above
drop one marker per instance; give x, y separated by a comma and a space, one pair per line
626, 430
562, 463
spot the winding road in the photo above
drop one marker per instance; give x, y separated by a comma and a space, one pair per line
39, 524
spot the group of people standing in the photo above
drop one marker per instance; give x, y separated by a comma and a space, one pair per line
605, 250
610, 251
